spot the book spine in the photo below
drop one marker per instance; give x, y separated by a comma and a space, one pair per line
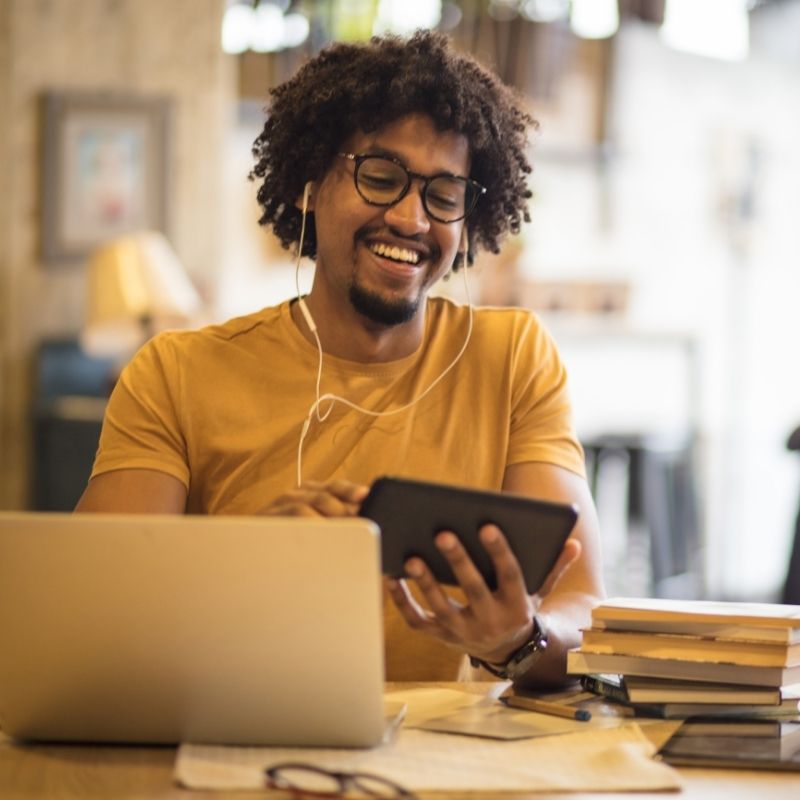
579, 662
618, 694
595, 685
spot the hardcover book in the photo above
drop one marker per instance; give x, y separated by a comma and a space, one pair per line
661, 690
713, 700
579, 663
690, 648
767, 622
787, 711
635, 689
748, 728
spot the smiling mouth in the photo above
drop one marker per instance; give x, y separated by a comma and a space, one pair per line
401, 255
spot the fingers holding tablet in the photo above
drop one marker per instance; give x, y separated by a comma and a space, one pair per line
492, 622
466, 573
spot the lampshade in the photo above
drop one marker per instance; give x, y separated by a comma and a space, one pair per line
136, 287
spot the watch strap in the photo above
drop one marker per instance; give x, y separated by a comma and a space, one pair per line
522, 659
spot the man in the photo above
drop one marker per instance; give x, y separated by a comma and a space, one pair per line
374, 159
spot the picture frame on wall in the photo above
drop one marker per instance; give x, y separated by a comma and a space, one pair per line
105, 170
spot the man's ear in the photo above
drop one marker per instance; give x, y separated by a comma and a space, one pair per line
305, 202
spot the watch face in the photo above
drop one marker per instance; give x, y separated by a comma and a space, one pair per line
521, 661
524, 659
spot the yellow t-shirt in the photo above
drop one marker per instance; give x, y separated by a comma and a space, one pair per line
221, 409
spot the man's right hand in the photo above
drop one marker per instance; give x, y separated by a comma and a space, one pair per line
337, 498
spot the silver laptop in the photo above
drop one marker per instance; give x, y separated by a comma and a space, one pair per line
163, 629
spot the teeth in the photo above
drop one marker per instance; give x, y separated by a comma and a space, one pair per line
395, 253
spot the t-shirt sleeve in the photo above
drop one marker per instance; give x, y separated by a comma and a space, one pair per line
142, 427
541, 413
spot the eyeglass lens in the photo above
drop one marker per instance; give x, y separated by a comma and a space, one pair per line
304, 779
375, 786
310, 780
382, 182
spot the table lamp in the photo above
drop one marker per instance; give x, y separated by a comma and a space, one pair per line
137, 287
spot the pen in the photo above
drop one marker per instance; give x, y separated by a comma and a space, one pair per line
545, 707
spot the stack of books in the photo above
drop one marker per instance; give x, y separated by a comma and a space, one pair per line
731, 669
674, 699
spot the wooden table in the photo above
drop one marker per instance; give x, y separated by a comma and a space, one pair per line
69, 772
125, 773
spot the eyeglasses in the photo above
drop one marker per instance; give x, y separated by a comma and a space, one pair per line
384, 181
307, 780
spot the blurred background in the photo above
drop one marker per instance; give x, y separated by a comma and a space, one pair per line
664, 251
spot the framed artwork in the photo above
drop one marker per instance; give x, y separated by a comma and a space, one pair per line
105, 170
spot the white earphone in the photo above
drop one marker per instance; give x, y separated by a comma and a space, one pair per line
333, 398
302, 303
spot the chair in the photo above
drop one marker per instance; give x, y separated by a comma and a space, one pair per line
71, 389
660, 499
791, 588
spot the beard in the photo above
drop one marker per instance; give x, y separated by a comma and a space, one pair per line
379, 309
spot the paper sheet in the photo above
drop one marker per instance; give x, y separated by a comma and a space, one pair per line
500, 722
618, 760
484, 716
614, 759
428, 703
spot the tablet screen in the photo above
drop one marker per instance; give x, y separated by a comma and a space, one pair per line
411, 513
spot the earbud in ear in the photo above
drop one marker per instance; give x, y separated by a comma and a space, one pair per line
304, 201
307, 189
464, 247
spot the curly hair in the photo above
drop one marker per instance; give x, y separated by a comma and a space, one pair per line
362, 87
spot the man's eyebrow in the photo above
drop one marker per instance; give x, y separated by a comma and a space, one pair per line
377, 150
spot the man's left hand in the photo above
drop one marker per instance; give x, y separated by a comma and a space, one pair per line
492, 624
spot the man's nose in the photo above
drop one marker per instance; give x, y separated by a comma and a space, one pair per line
408, 215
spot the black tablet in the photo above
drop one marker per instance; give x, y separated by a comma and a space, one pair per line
776, 748
411, 513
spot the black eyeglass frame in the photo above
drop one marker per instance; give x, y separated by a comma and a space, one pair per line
344, 779
360, 158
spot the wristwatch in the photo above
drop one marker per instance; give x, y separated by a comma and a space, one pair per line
522, 659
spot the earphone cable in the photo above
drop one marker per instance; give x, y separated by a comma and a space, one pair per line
333, 398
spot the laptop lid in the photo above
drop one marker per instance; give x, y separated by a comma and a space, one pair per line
162, 629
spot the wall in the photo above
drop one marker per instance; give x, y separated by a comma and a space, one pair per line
5, 234
148, 46
694, 142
